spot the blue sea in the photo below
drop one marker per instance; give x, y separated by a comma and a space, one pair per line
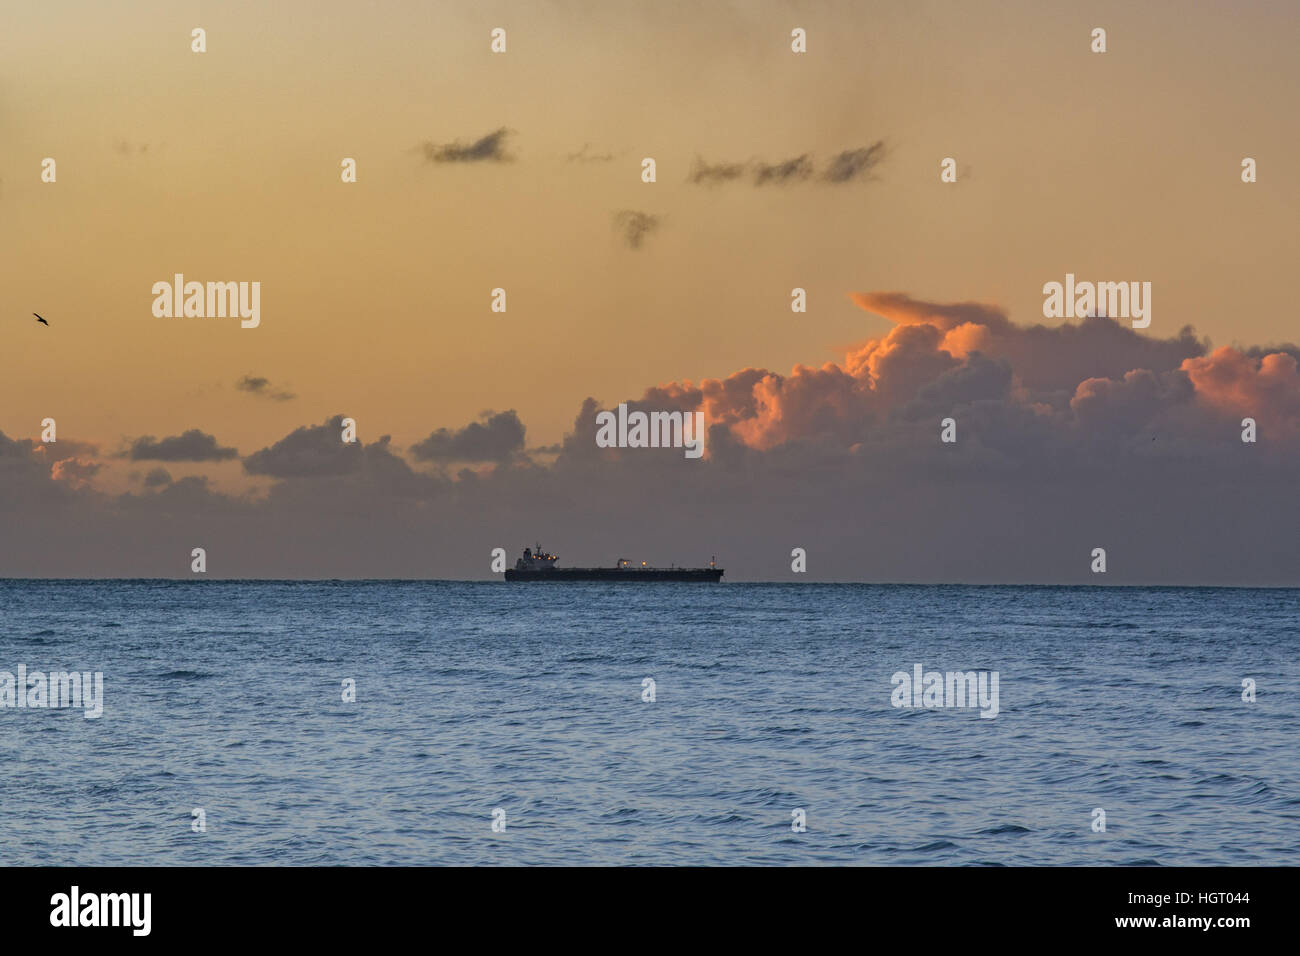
532, 700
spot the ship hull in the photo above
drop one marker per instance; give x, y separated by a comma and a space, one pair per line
616, 575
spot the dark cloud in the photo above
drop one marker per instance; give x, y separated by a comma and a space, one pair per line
190, 500
312, 451
261, 387
855, 163
387, 473
498, 437
844, 167
486, 149
1259, 351
712, 174
70, 448
157, 478
635, 227
25, 477
192, 445
16, 449
779, 174
373, 480
979, 379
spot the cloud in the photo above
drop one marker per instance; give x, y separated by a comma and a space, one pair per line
312, 451
584, 156
26, 485
1127, 406
157, 478
1263, 387
67, 448
368, 478
16, 449
1068, 438
187, 500
712, 174
1030, 397
498, 437
844, 167
489, 148
261, 387
1050, 361
192, 445
979, 379
75, 472
789, 171
316, 468
635, 227
855, 163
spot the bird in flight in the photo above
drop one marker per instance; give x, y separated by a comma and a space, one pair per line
40, 320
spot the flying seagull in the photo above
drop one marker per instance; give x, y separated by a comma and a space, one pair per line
40, 320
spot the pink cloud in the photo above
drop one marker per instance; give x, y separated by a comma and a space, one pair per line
1266, 388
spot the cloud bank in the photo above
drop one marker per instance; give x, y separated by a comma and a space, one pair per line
1069, 438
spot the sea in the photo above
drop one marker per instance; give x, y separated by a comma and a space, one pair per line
433, 723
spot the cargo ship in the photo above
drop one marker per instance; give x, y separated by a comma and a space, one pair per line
538, 565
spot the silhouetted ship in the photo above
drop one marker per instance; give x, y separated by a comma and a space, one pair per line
540, 566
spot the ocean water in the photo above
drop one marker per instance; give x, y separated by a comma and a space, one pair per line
227, 696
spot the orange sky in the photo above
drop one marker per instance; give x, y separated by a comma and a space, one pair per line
375, 296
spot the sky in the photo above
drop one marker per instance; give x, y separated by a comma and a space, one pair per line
522, 170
